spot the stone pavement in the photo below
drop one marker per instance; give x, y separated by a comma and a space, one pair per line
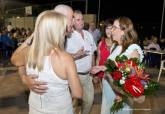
14, 95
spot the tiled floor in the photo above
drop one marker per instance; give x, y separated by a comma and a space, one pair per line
14, 95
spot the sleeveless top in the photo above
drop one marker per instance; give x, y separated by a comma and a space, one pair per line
57, 99
104, 53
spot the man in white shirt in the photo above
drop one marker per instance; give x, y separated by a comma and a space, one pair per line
9, 27
82, 40
95, 32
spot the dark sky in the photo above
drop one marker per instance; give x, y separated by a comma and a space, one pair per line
150, 10
146, 14
143, 10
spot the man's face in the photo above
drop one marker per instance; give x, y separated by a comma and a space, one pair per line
78, 21
92, 26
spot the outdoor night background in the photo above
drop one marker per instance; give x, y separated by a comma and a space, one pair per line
146, 14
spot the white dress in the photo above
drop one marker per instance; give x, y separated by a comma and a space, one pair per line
108, 94
57, 99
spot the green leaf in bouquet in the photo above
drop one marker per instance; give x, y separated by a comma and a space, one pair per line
141, 66
152, 87
121, 58
117, 106
117, 83
111, 66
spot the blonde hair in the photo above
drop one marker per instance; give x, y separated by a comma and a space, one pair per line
49, 33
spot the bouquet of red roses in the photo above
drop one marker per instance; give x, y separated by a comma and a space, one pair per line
129, 76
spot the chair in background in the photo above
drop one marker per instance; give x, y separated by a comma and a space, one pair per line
162, 67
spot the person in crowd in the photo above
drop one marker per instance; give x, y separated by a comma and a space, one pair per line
104, 46
47, 59
95, 32
86, 26
14, 37
153, 44
9, 27
154, 58
146, 41
125, 43
82, 40
7, 45
28, 32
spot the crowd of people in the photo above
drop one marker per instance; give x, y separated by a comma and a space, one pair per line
154, 44
57, 62
10, 38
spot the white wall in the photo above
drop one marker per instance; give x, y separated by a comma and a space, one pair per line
89, 18
25, 22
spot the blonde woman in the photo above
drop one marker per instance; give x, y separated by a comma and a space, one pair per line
47, 59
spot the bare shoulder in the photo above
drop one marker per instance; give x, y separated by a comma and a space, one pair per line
62, 62
63, 56
67, 57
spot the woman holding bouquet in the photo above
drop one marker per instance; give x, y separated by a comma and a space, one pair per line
125, 43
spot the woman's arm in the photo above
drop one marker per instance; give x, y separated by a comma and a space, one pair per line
19, 59
65, 68
73, 79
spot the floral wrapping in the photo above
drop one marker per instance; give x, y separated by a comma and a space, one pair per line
127, 77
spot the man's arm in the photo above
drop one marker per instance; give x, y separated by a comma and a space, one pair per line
79, 54
31, 81
18, 57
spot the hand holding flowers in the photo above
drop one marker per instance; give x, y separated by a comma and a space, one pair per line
129, 76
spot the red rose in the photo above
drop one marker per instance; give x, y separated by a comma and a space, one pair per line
117, 75
134, 87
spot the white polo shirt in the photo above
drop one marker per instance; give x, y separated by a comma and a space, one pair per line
75, 43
